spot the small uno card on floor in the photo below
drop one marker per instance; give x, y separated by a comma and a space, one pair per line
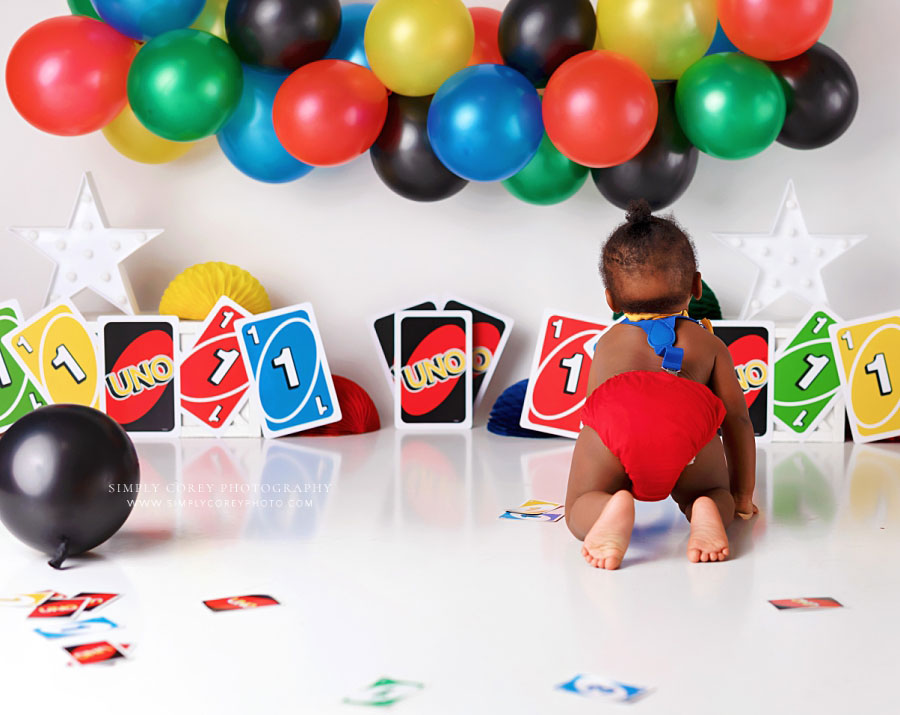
557, 387
18, 394
490, 333
57, 350
97, 600
752, 348
551, 516
433, 389
240, 603
92, 653
292, 386
138, 358
785, 604
59, 608
535, 506
214, 382
383, 333
26, 600
596, 686
385, 692
806, 379
79, 628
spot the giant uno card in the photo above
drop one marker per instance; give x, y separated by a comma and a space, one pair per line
140, 380
214, 382
433, 352
18, 394
752, 348
557, 388
56, 349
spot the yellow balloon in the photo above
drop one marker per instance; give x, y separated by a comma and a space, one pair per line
132, 139
665, 37
212, 19
413, 46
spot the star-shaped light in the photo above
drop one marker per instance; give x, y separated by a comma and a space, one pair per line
790, 258
88, 253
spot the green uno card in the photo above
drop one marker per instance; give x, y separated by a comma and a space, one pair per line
385, 692
18, 395
806, 376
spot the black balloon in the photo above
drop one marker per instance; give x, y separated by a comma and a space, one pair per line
822, 97
65, 476
403, 157
663, 170
282, 34
537, 36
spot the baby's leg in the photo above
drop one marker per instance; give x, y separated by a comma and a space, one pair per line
704, 495
599, 505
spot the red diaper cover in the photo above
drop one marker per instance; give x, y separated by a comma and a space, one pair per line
655, 423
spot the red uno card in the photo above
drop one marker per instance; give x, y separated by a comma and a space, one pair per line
240, 603
214, 383
96, 600
140, 383
557, 387
784, 604
92, 653
59, 608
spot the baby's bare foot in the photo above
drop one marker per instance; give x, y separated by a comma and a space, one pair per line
708, 541
606, 542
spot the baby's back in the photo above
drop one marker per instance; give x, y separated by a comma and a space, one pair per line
624, 348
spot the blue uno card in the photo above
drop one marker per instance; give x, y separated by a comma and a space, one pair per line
552, 516
596, 686
87, 627
292, 386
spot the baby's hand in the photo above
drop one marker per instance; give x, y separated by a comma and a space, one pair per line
745, 508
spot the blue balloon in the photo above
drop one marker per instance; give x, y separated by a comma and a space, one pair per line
249, 140
144, 19
721, 43
485, 123
349, 44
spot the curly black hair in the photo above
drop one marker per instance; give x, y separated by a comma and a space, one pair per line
648, 245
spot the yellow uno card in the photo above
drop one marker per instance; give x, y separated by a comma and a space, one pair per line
57, 350
868, 353
535, 506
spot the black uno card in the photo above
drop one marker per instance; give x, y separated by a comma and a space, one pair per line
433, 389
140, 382
490, 331
751, 345
383, 328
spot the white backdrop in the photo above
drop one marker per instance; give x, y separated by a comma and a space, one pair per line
342, 240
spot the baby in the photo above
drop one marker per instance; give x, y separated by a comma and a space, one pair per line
661, 385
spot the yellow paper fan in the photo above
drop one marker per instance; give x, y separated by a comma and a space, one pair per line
194, 292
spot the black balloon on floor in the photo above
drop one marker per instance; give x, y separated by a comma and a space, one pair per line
537, 36
403, 157
822, 97
663, 170
68, 475
282, 34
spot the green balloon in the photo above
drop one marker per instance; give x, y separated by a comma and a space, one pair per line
730, 106
83, 7
185, 84
549, 178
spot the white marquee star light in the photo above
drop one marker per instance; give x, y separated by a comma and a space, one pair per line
88, 253
790, 258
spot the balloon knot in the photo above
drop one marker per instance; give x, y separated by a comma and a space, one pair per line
61, 554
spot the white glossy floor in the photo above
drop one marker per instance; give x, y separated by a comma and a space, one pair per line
393, 562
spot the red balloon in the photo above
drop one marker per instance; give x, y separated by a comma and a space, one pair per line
68, 75
329, 112
774, 30
600, 109
487, 27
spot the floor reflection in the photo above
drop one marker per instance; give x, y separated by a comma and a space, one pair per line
874, 485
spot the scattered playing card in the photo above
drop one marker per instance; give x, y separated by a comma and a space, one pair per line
70, 629
91, 653
240, 603
784, 604
30, 600
385, 692
547, 516
535, 506
596, 686
97, 600
59, 608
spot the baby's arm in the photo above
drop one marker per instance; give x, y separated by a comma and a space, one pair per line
737, 433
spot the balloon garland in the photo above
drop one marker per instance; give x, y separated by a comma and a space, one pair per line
440, 94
